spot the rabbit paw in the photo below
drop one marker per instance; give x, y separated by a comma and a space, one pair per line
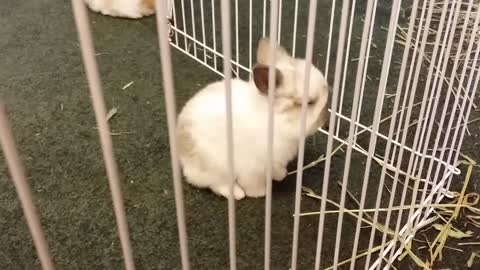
253, 185
224, 190
255, 192
279, 173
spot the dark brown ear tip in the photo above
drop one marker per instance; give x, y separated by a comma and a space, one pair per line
260, 77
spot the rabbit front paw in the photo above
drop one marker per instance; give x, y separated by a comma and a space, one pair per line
279, 173
224, 190
255, 191
253, 184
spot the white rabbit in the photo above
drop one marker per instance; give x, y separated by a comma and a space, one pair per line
201, 126
132, 9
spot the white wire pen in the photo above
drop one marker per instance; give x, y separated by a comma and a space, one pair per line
330, 31
345, 64
390, 132
464, 102
237, 47
194, 34
312, 14
295, 22
376, 121
411, 92
204, 41
184, 24
429, 80
415, 143
333, 110
270, 132
167, 74
227, 71
439, 131
214, 35
363, 54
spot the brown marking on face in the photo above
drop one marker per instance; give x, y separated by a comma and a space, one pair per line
150, 4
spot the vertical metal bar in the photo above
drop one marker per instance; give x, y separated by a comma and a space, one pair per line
264, 24
86, 44
391, 129
312, 14
19, 179
470, 103
453, 74
214, 35
237, 48
469, 108
407, 122
408, 81
227, 71
450, 90
358, 81
270, 132
330, 32
192, 8
433, 65
295, 21
378, 112
174, 12
433, 60
279, 33
402, 147
184, 25
203, 33
167, 75
345, 67
328, 161
250, 50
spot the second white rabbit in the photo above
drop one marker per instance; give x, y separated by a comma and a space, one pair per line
201, 126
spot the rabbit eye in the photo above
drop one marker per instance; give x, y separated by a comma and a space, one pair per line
311, 102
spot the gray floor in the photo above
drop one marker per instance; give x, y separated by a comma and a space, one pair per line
43, 83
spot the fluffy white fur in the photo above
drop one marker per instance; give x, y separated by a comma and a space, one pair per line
132, 9
201, 126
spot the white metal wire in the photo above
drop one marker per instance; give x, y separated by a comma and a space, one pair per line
376, 121
270, 132
429, 77
347, 57
24, 192
390, 132
301, 147
333, 110
169, 91
369, 18
330, 31
295, 22
93, 77
456, 102
227, 73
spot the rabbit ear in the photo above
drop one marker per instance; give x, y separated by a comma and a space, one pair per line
263, 51
260, 77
